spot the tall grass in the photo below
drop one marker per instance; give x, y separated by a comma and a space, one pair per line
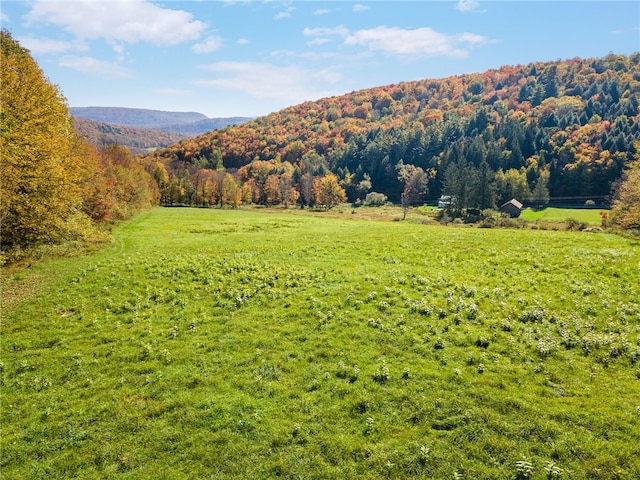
239, 344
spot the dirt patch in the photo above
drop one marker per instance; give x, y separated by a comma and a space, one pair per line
17, 286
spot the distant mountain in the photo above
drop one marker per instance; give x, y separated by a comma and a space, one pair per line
205, 125
136, 117
188, 123
136, 140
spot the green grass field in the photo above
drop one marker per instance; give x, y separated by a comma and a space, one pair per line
207, 343
553, 214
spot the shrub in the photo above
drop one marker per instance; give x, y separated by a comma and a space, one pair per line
488, 218
421, 307
444, 219
552, 470
573, 224
375, 199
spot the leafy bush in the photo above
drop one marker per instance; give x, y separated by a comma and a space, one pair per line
375, 199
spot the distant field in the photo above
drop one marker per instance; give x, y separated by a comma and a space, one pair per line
223, 344
552, 214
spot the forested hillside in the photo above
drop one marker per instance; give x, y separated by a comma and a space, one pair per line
561, 130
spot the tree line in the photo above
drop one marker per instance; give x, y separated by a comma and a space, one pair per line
556, 130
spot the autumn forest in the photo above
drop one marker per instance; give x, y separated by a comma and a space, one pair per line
561, 130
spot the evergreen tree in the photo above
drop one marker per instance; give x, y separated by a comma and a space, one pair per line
485, 189
540, 194
460, 183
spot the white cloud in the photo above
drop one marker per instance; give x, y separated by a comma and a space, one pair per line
633, 30
118, 48
95, 67
340, 31
471, 38
322, 11
358, 7
243, 41
323, 35
286, 10
119, 21
314, 56
211, 44
421, 42
265, 81
328, 76
44, 46
467, 5
417, 43
318, 41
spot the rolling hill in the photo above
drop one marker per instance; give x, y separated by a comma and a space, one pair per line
189, 123
136, 117
569, 126
141, 130
136, 140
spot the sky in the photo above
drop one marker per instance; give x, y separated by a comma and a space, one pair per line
251, 58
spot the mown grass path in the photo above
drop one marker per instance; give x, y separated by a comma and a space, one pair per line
240, 344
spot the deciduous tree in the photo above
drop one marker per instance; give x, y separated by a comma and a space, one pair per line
415, 185
328, 192
272, 192
289, 193
625, 212
43, 171
307, 182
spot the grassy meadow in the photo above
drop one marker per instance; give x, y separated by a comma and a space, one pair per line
589, 216
208, 343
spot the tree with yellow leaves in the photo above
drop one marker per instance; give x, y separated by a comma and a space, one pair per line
328, 192
44, 170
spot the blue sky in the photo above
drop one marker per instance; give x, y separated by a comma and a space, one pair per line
250, 58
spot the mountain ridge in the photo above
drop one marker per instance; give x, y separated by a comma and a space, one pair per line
190, 123
141, 130
135, 117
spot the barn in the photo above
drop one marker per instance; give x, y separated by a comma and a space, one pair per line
512, 208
